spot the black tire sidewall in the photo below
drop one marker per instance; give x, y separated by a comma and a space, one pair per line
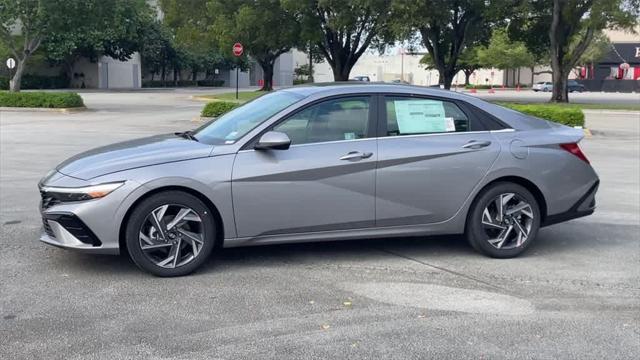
149, 204
475, 232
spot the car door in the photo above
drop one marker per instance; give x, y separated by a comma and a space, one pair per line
324, 181
431, 154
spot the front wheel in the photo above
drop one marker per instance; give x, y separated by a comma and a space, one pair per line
503, 221
170, 233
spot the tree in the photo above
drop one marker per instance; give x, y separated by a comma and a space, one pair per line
570, 27
597, 49
503, 53
265, 29
69, 28
445, 33
97, 28
32, 20
468, 62
343, 30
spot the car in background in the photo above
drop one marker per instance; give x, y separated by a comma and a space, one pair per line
544, 86
318, 163
573, 85
361, 78
547, 86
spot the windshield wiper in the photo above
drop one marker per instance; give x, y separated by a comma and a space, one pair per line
187, 135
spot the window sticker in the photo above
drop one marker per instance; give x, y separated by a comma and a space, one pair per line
422, 116
349, 136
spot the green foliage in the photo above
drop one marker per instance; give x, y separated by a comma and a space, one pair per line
569, 27
343, 30
449, 30
32, 81
569, 115
217, 108
502, 53
597, 49
40, 99
160, 83
265, 29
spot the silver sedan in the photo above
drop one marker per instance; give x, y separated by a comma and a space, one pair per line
316, 163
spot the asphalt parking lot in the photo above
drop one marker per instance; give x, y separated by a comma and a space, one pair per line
574, 294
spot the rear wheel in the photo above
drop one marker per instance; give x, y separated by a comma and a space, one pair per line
504, 220
170, 234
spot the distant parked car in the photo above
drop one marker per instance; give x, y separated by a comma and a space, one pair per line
573, 85
545, 86
361, 78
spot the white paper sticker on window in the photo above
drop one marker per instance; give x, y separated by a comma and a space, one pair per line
421, 116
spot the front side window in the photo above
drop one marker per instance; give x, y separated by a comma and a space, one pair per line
411, 116
233, 125
332, 120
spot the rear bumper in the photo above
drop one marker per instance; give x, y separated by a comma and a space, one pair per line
585, 206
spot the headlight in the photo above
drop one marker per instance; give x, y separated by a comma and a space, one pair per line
65, 194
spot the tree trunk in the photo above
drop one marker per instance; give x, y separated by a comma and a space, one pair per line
532, 74
267, 75
341, 73
310, 77
16, 81
446, 78
560, 90
467, 75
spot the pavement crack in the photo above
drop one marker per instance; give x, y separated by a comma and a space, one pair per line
452, 272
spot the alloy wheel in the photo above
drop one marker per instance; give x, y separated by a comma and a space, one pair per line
507, 221
171, 236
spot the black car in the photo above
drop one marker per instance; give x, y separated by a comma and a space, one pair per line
573, 85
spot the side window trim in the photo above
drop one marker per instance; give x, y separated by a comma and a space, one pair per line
371, 126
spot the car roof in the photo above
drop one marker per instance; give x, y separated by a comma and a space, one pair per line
513, 118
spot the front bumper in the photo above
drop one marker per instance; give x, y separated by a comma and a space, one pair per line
91, 226
65, 230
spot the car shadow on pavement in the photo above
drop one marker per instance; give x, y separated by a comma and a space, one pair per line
554, 240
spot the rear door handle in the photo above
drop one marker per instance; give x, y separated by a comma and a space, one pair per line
473, 144
356, 155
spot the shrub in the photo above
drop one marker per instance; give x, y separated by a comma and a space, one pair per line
40, 99
217, 108
214, 83
569, 115
30, 81
182, 83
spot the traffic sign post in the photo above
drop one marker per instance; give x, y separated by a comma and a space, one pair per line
237, 52
11, 64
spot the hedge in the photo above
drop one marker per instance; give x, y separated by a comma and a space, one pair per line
563, 114
30, 81
40, 99
486, 87
182, 83
217, 108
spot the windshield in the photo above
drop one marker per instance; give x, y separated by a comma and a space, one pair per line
233, 125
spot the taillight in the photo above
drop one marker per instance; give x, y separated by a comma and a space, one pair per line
575, 150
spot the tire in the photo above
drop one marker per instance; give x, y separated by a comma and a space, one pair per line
181, 237
484, 232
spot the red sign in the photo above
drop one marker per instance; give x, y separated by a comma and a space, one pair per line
238, 49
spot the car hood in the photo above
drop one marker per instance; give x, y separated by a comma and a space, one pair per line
132, 154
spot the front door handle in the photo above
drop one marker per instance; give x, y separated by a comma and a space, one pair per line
356, 155
473, 144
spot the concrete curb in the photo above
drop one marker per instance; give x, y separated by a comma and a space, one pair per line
58, 110
200, 98
610, 111
201, 119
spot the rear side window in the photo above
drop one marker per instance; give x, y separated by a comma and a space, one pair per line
411, 116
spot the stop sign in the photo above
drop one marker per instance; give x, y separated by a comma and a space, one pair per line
237, 49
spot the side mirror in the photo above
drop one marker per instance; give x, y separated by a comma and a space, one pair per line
273, 140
